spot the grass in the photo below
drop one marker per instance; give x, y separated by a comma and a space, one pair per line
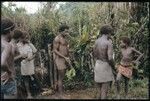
138, 89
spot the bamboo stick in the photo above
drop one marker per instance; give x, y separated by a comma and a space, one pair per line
51, 66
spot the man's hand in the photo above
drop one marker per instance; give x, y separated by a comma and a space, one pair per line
69, 62
67, 59
24, 56
135, 62
28, 59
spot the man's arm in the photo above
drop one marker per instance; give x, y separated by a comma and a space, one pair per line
34, 50
110, 55
4, 57
140, 54
16, 51
95, 50
30, 56
17, 54
21, 56
56, 46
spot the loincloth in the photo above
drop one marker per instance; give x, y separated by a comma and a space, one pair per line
125, 70
103, 72
60, 64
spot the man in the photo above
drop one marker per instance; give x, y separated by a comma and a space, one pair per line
61, 55
14, 40
27, 65
103, 53
18, 57
125, 67
8, 84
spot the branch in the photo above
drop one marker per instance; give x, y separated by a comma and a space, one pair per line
141, 27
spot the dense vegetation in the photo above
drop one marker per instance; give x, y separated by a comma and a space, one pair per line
85, 20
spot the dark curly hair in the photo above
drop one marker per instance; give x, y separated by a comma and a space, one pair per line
106, 29
63, 27
17, 34
7, 25
25, 33
126, 40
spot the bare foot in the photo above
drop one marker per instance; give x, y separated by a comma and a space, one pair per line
29, 97
118, 96
126, 96
62, 96
56, 95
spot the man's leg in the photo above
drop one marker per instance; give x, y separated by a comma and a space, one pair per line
104, 90
61, 75
118, 84
27, 86
99, 85
38, 88
2, 96
126, 86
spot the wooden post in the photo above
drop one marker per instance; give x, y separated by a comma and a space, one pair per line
55, 77
51, 66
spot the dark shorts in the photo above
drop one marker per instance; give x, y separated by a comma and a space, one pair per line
9, 88
26, 78
34, 84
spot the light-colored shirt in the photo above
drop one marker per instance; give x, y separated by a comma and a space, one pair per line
27, 67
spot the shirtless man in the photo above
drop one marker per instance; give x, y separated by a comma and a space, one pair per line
103, 53
8, 84
125, 67
61, 55
16, 36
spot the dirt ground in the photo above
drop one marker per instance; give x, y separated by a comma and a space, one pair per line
89, 93
72, 94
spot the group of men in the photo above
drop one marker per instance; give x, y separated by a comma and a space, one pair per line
104, 70
15, 46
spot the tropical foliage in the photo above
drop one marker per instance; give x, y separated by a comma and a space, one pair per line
85, 20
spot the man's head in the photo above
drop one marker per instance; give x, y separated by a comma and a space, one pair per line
7, 27
106, 30
64, 29
17, 35
25, 37
125, 41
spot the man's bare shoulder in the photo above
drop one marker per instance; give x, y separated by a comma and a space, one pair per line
96, 42
132, 49
19, 44
13, 45
57, 39
109, 42
7, 46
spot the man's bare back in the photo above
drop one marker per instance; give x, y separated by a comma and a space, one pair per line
103, 46
15, 50
103, 52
